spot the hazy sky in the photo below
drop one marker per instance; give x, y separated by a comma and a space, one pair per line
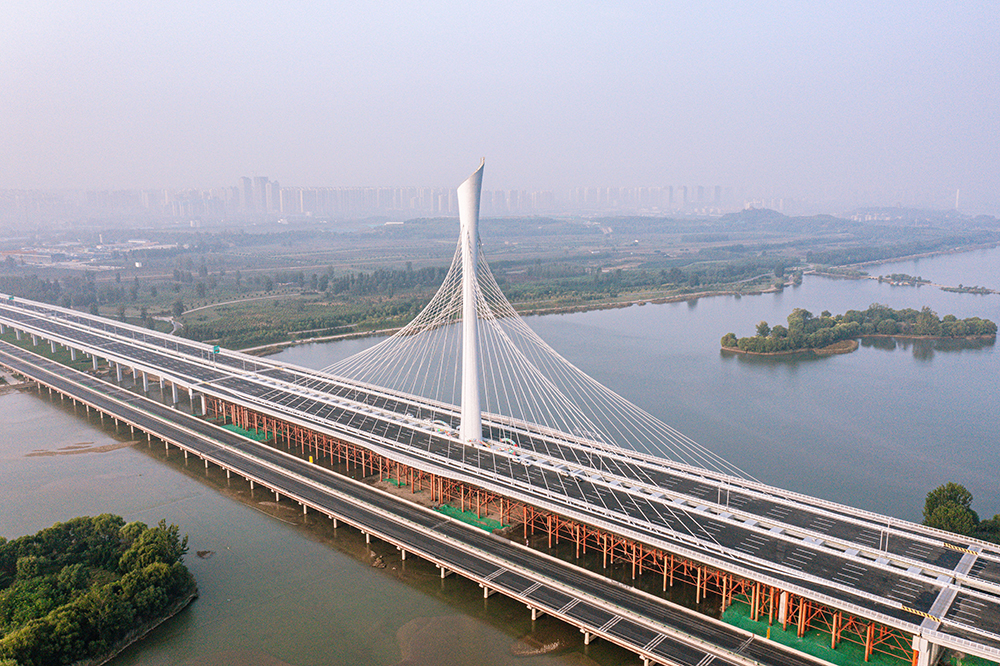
819, 99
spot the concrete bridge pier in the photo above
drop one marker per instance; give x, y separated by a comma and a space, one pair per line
535, 613
587, 636
487, 592
925, 653
72, 353
174, 398
204, 406
118, 372
145, 382
3, 329
52, 346
94, 362
17, 333
34, 340
191, 398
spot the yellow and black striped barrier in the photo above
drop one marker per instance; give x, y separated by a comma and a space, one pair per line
920, 613
959, 548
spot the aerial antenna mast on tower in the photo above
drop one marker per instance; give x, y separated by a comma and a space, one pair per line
468, 216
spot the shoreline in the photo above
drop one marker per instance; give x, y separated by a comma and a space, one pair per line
275, 347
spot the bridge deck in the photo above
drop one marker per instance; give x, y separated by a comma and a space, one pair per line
652, 627
872, 565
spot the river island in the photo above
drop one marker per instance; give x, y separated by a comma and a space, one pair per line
83, 590
832, 334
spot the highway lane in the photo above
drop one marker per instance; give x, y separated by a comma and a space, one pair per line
500, 563
753, 542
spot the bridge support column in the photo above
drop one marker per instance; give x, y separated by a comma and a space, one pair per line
204, 406
334, 522
487, 592
118, 372
783, 609
305, 509
34, 340
3, 329
368, 539
925, 653
402, 553
174, 398
17, 333
535, 613
52, 346
94, 362
227, 473
72, 353
444, 572
587, 636
191, 397
145, 382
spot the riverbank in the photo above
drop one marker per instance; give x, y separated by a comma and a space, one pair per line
141, 632
275, 347
839, 347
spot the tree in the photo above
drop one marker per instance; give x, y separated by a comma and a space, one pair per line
729, 340
949, 508
952, 517
178, 307
763, 330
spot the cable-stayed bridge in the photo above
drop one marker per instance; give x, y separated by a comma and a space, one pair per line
469, 403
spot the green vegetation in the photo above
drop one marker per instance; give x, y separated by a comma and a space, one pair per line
805, 331
962, 289
949, 508
80, 589
334, 277
903, 278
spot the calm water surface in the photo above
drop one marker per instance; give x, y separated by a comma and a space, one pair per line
876, 429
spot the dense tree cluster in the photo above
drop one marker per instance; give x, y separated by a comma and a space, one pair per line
806, 331
74, 590
949, 508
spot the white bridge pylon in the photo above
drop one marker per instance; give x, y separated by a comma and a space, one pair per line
468, 348
469, 194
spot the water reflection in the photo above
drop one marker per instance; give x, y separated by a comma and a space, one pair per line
924, 349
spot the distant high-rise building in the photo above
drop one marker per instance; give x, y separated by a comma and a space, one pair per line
247, 201
260, 193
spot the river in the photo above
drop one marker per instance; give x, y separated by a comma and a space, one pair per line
877, 429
